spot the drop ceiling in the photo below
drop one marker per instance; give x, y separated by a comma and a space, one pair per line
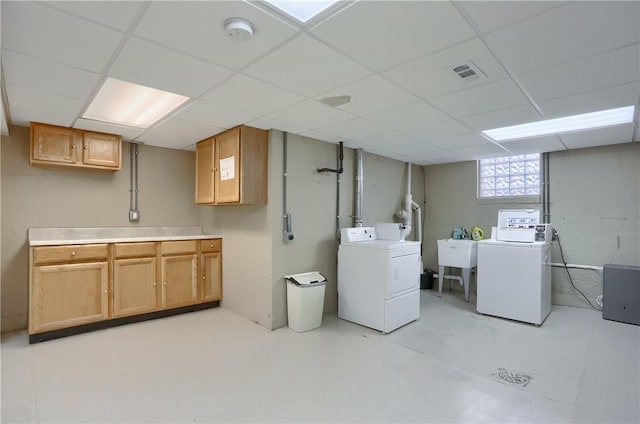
395, 59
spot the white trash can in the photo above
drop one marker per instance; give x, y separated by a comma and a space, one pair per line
305, 300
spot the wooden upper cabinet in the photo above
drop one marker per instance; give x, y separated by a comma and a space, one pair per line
204, 171
102, 150
62, 146
227, 167
54, 144
238, 161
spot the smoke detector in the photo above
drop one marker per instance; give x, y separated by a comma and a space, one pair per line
238, 29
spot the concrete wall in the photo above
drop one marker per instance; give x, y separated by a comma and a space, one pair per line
311, 198
594, 207
64, 197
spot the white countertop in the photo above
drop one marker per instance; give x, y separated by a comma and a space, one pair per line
59, 236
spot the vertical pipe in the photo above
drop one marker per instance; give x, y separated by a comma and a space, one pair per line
287, 232
339, 168
546, 203
357, 219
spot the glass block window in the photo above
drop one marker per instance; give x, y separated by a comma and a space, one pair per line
509, 176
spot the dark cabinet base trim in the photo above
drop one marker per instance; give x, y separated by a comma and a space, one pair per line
71, 331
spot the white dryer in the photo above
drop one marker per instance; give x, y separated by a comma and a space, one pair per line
378, 280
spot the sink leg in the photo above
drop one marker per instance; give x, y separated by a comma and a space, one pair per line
466, 274
440, 279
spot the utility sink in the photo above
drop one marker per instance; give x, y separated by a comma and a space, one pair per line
458, 253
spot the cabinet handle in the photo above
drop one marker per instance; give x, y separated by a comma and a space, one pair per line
154, 284
211, 245
204, 278
86, 147
73, 147
105, 291
164, 283
73, 253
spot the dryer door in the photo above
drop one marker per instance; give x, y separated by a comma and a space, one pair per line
404, 275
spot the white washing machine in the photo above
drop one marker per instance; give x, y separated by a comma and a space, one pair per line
514, 280
378, 280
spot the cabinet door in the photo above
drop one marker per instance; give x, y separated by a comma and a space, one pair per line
54, 144
101, 150
179, 286
227, 167
211, 271
134, 286
68, 295
205, 172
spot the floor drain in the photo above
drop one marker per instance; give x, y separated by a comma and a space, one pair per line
515, 378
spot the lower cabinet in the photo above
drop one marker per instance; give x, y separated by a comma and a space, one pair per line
67, 295
211, 270
73, 285
134, 286
179, 284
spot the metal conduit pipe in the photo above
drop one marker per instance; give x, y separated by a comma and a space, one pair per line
134, 213
286, 216
546, 202
357, 219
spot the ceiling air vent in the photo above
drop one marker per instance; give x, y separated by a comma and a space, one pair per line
468, 71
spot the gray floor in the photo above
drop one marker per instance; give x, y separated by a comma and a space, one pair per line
452, 365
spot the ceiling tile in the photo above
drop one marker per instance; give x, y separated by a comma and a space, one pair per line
172, 134
550, 143
502, 118
488, 150
116, 14
491, 15
600, 137
408, 116
353, 129
437, 130
127, 133
611, 68
262, 98
322, 136
459, 141
56, 36
307, 67
204, 35
397, 31
182, 129
419, 148
211, 114
22, 116
25, 99
311, 115
266, 123
41, 75
386, 140
370, 95
485, 98
148, 64
592, 101
571, 32
433, 75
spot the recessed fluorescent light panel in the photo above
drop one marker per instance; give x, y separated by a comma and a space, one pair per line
302, 10
124, 103
585, 121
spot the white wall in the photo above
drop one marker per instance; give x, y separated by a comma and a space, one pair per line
594, 207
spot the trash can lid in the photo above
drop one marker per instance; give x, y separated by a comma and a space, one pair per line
306, 278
